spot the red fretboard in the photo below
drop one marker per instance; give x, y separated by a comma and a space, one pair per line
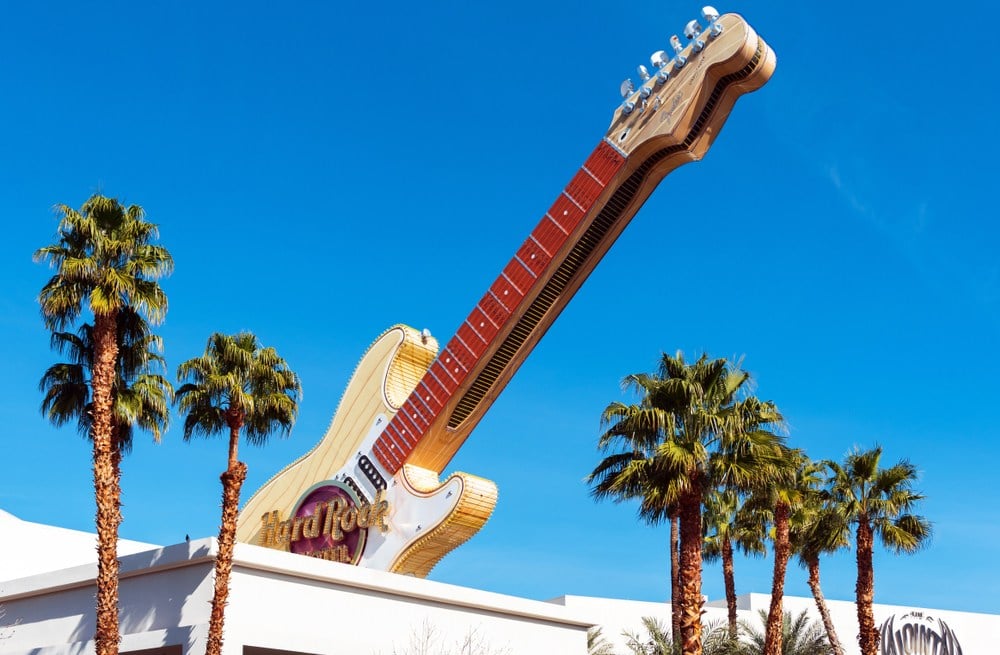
460, 362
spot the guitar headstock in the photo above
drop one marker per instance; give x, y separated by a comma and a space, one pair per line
687, 94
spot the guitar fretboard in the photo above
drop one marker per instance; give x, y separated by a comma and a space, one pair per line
459, 367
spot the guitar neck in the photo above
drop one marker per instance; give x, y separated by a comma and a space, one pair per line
508, 320
559, 254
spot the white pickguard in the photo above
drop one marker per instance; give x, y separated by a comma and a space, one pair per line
412, 513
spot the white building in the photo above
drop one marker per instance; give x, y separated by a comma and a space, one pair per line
286, 603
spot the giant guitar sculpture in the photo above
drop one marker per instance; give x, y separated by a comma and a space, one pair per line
369, 493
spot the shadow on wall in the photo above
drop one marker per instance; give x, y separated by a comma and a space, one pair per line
163, 596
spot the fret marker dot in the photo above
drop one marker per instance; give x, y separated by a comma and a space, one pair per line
456, 369
481, 324
565, 212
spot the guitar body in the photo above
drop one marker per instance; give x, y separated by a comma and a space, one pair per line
428, 518
369, 493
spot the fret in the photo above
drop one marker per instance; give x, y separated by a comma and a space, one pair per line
584, 189
382, 454
506, 293
435, 387
549, 235
520, 276
471, 339
496, 312
566, 212
443, 376
591, 174
533, 256
482, 325
415, 414
458, 353
408, 428
395, 456
452, 366
393, 431
428, 396
394, 440
422, 407
604, 163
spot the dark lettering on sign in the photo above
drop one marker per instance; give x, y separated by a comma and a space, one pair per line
915, 634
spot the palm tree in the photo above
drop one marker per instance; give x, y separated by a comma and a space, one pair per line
104, 262
657, 640
817, 529
597, 644
636, 472
799, 636
140, 397
782, 496
878, 503
726, 526
706, 435
235, 386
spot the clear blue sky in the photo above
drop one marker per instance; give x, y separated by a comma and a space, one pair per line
324, 170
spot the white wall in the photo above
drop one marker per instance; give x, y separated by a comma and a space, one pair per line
277, 601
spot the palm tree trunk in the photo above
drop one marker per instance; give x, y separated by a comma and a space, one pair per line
232, 482
105, 484
729, 576
865, 590
782, 551
824, 612
675, 580
690, 568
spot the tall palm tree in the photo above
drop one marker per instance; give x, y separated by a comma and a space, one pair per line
141, 394
726, 526
236, 386
878, 502
799, 636
104, 262
816, 530
635, 472
784, 494
706, 434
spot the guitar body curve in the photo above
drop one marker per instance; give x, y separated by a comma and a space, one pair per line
426, 518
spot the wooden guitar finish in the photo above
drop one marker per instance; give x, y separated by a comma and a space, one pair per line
407, 410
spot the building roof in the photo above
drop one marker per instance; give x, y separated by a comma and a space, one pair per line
30, 548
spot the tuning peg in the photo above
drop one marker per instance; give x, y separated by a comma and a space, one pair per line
712, 16
645, 91
643, 73
659, 60
626, 89
692, 31
675, 43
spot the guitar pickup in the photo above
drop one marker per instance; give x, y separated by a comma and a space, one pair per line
356, 488
368, 468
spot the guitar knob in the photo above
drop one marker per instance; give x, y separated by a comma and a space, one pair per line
712, 16
627, 88
692, 31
